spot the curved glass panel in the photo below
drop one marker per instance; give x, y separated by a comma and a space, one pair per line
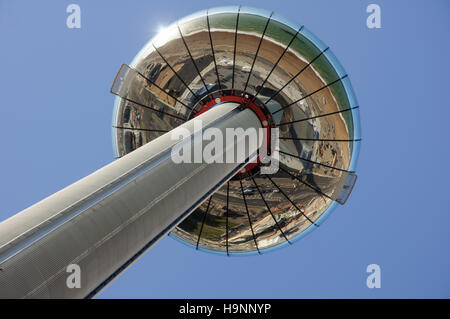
292, 24
255, 11
317, 42
335, 63
225, 9
194, 16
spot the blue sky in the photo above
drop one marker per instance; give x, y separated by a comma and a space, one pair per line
56, 116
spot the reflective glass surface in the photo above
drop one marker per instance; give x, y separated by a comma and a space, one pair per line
303, 85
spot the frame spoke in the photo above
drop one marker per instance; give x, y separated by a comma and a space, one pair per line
257, 51
175, 72
212, 49
307, 160
309, 94
318, 116
248, 215
153, 109
287, 197
295, 76
235, 41
279, 59
203, 222
192, 59
270, 211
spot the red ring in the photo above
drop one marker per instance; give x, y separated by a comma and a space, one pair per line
246, 103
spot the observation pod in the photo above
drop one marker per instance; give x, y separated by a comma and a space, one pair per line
257, 57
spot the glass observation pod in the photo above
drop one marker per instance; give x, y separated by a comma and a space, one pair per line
227, 53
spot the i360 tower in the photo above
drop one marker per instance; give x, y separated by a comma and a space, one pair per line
230, 67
